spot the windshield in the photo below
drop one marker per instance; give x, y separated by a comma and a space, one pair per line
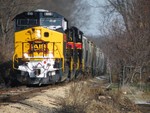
51, 22
25, 23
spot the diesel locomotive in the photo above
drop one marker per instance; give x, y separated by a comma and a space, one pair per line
47, 51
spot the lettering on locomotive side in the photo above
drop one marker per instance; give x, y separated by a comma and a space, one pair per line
38, 47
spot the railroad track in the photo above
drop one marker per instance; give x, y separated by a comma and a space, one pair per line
23, 92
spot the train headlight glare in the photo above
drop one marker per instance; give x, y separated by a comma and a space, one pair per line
51, 55
26, 55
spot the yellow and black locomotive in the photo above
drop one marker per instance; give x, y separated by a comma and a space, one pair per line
47, 51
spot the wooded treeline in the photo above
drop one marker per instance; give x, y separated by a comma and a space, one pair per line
126, 39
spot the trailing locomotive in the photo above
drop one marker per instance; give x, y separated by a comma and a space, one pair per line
46, 50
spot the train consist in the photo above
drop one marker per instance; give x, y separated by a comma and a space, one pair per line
46, 50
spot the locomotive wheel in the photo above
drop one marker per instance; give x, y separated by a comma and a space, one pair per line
73, 73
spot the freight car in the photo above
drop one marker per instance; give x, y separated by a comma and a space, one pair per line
47, 51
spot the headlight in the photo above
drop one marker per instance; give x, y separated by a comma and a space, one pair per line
51, 55
26, 55
38, 33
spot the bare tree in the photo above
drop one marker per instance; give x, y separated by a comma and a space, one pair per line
64, 7
128, 33
81, 15
137, 27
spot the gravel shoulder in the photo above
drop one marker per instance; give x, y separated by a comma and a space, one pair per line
43, 102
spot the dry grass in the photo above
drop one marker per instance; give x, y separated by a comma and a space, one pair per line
75, 101
86, 98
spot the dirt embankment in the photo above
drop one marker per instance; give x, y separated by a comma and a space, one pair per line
43, 102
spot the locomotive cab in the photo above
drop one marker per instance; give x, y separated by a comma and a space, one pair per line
44, 18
